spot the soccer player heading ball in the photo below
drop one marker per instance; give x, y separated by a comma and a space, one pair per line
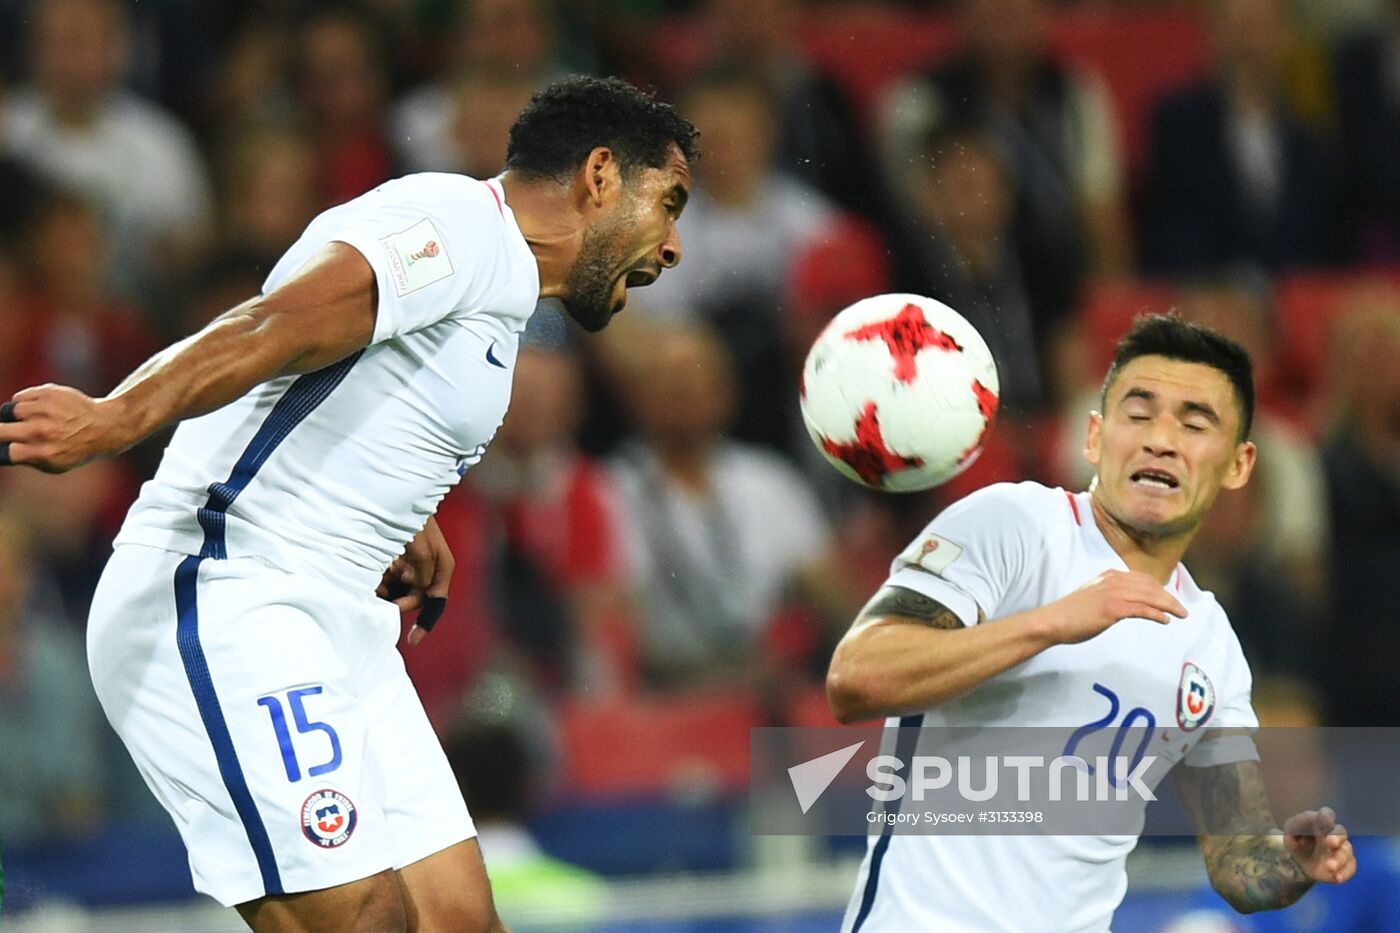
235, 640
1023, 605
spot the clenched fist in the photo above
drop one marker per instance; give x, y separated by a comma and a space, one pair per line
56, 428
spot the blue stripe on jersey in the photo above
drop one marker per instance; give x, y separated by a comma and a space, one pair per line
905, 746
300, 400
197, 671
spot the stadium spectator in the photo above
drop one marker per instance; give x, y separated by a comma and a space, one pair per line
249, 84
49, 719
744, 221
537, 533
743, 227
1367, 93
723, 534
75, 125
70, 328
268, 192
71, 520
490, 37
342, 83
1264, 550
962, 195
1235, 178
20, 187
817, 139
1362, 460
1055, 121
499, 750
484, 106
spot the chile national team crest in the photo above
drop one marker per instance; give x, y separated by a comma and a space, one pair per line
328, 818
1195, 698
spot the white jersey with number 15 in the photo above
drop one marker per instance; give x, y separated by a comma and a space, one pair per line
332, 473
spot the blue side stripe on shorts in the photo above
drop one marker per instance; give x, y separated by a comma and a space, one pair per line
197, 671
904, 751
300, 400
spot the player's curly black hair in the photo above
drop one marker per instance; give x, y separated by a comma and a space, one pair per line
575, 115
1177, 339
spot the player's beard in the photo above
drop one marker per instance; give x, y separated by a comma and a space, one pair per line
594, 276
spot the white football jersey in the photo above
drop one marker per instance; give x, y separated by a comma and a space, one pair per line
333, 472
1007, 549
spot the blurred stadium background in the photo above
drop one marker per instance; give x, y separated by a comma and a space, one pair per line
651, 559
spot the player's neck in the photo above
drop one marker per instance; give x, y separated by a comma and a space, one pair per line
548, 220
1154, 555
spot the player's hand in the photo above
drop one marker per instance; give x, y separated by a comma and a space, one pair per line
55, 428
420, 579
1111, 596
1320, 845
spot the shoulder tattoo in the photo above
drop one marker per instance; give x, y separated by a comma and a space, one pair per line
911, 605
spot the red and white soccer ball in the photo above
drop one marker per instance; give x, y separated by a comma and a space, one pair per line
898, 392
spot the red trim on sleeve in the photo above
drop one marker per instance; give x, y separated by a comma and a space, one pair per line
1178, 579
492, 188
1073, 507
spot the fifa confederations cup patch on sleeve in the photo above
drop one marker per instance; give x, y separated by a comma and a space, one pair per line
417, 257
931, 552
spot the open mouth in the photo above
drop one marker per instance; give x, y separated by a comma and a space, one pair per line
1155, 479
641, 278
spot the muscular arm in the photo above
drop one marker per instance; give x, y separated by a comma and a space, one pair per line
906, 651
1244, 851
322, 314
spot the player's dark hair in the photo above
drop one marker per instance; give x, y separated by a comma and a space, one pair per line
573, 116
1176, 339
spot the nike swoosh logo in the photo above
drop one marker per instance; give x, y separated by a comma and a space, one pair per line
491, 356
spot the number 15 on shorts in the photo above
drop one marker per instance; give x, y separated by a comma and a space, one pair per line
304, 725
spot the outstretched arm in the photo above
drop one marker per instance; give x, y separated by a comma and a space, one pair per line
322, 314
1253, 864
907, 651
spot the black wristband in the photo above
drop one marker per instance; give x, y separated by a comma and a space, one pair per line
430, 613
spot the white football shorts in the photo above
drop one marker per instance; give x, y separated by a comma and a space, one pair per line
272, 717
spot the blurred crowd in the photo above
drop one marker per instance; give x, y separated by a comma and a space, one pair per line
652, 527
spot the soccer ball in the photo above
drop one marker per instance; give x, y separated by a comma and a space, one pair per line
898, 392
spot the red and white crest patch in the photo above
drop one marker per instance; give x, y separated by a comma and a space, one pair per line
1195, 698
328, 818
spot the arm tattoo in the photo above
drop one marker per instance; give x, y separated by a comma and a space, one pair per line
912, 606
1244, 853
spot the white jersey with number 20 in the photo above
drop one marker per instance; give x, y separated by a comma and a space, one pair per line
1008, 549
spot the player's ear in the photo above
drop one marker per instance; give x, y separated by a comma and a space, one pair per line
1241, 467
602, 177
1093, 437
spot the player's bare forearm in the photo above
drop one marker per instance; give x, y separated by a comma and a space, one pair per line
909, 652
1256, 873
1245, 856
322, 314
